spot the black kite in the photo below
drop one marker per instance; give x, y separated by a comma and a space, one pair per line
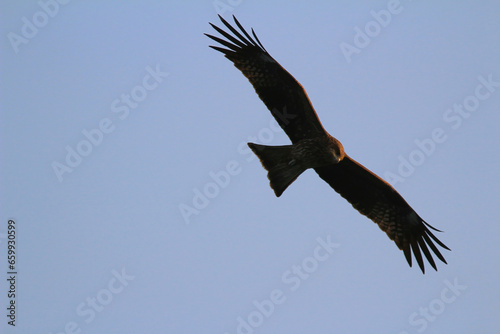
313, 147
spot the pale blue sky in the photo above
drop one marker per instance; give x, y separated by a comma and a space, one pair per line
102, 244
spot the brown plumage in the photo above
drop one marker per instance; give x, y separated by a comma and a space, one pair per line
313, 147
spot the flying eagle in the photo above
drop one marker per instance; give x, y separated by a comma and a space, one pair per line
313, 147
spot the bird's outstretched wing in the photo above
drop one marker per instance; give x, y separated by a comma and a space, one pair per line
377, 199
280, 92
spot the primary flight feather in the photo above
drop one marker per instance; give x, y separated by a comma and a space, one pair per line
313, 147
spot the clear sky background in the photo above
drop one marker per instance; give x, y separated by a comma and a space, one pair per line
138, 209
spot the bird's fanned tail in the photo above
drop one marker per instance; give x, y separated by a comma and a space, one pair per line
282, 169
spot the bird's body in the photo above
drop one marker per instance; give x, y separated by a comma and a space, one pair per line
313, 147
286, 163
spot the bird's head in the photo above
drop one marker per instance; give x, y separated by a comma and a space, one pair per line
336, 149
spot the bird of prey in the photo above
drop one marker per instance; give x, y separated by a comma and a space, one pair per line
313, 147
